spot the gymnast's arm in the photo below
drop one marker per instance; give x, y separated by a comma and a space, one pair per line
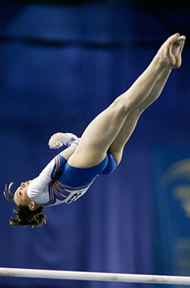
66, 153
39, 184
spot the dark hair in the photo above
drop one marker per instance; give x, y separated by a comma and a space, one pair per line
27, 217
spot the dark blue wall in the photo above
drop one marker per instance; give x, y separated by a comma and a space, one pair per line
61, 66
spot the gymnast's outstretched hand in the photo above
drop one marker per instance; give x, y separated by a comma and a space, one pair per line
59, 139
171, 51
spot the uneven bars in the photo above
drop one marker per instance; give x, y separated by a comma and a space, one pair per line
94, 276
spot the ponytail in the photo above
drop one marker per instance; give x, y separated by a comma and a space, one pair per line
27, 217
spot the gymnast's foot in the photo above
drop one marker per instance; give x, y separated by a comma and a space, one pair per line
171, 51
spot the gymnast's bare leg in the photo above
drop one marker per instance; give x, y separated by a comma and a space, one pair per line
128, 127
111, 129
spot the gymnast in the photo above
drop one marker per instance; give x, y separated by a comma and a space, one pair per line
99, 150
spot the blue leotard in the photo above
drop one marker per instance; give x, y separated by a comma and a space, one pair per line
61, 183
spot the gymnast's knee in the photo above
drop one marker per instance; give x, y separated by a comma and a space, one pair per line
121, 107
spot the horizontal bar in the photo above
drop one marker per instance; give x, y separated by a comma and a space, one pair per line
94, 276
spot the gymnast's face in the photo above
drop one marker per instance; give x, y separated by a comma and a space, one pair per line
20, 196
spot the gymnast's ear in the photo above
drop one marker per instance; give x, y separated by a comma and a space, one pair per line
32, 206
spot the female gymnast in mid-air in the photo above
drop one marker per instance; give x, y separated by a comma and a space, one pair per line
99, 150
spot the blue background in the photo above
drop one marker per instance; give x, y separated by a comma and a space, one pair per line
61, 65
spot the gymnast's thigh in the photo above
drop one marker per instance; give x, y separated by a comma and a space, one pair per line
86, 157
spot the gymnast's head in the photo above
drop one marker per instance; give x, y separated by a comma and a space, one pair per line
29, 212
